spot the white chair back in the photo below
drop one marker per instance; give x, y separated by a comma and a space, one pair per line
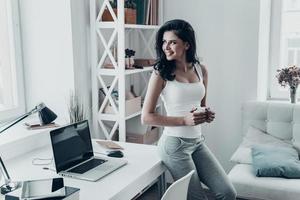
178, 190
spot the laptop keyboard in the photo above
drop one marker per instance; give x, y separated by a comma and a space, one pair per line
87, 166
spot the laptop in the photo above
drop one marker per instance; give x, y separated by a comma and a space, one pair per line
74, 157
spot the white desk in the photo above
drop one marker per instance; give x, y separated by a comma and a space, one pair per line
144, 167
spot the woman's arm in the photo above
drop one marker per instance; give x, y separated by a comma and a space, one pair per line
205, 81
210, 114
150, 117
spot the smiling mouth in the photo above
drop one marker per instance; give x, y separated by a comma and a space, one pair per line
168, 53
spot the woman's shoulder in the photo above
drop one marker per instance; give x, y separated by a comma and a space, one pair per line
156, 77
203, 69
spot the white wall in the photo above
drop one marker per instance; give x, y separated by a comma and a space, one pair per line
227, 36
80, 16
48, 53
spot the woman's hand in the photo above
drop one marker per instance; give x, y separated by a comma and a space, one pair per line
210, 115
195, 118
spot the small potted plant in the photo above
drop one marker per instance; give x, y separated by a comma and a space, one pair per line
129, 58
289, 76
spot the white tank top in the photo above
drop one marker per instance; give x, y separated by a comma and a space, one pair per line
179, 99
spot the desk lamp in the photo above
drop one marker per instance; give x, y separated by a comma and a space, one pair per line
8, 185
45, 114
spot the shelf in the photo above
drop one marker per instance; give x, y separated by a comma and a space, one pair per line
108, 117
133, 115
134, 71
103, 25
114, 72
140, 26
110, 25
108, 72
114, 117
108, 35
138, 113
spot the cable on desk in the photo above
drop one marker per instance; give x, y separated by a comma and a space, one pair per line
42, 161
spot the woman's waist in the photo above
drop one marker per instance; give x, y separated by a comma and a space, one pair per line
183, 131
179, 111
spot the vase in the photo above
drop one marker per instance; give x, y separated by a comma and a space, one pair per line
293, 94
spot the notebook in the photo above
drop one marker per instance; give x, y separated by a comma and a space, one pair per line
74, 157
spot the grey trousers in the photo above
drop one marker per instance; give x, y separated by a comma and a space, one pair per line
181, 155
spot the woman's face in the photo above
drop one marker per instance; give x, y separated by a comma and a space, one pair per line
173, 47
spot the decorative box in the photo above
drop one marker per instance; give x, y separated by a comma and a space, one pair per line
131, 106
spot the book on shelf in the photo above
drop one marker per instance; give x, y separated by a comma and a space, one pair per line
155, 12
153, 15
140, 10
148, 8
147, 11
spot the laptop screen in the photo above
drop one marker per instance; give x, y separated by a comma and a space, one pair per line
71, 145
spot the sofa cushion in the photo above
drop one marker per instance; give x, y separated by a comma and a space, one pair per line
242, 155
249, 186
255, 136
254, 114
276, 118
274, 161
280, 120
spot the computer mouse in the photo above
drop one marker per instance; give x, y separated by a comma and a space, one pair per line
115, 153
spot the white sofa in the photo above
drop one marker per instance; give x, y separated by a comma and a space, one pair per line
281, 120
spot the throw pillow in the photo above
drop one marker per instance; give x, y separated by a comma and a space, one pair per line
297, 146
274, 161
242, 155
255, 136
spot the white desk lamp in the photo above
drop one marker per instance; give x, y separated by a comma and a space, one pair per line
46, 116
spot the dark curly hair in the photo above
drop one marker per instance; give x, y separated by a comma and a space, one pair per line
185, 32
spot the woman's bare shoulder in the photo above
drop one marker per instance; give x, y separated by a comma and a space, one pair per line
203, 69
156, 77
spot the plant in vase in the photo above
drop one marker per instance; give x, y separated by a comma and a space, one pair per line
130, 4
76, 108
130, 11
113, 3
129, 58
289, 76
127, 4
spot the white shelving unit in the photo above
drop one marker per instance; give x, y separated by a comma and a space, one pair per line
117, 75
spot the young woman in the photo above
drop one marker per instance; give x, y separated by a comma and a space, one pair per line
181, 82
